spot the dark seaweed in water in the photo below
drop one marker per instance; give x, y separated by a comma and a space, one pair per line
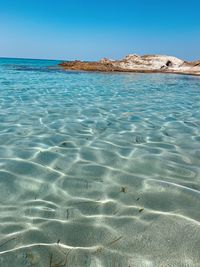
33, 68
47, 69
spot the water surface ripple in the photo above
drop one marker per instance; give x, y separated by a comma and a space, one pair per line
98, 170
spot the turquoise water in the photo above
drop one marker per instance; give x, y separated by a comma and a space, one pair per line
98, 170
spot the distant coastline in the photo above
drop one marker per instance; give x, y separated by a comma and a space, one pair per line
137, 64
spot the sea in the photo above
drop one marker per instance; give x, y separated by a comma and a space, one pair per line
98, 169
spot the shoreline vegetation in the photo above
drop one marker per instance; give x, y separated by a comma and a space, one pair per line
137, 64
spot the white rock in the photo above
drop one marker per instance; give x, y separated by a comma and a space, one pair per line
150, 62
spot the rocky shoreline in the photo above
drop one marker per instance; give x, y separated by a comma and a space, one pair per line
135, 63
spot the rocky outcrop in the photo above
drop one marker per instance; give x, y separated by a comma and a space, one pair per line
90, 66
195, 63
135, 63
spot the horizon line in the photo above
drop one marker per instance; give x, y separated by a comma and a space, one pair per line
48, 59
28, 58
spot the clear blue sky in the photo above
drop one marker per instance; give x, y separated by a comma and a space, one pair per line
91, 29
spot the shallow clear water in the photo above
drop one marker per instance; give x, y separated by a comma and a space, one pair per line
98, 169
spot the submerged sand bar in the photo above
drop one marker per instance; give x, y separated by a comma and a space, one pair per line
136, 63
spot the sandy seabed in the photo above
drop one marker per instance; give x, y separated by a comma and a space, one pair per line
98, 170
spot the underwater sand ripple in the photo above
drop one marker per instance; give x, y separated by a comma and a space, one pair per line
105, 172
